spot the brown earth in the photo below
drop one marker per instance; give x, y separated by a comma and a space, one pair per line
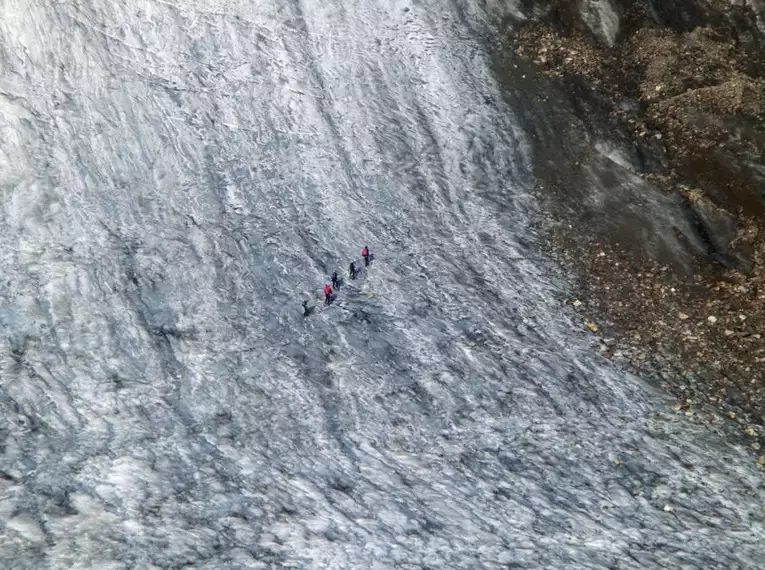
700, 96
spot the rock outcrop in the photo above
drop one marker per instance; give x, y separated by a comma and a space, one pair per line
648, 121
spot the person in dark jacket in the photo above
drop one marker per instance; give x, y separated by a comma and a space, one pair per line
352, 270
335, 280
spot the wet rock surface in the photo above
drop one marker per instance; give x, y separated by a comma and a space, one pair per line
670, 252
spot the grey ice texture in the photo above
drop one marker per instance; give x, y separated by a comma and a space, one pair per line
176, 177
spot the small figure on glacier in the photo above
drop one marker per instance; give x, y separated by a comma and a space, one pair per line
352, 270
327, 294
307, 309
366, 255
335, 280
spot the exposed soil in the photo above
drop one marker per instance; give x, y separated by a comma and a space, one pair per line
692, 99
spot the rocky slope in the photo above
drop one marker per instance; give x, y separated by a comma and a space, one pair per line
657, 187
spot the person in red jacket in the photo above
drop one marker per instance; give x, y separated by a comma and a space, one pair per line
327, 294
365, 255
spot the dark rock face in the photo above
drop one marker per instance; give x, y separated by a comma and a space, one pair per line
653, 155
718, 231
668, 96
590, 173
